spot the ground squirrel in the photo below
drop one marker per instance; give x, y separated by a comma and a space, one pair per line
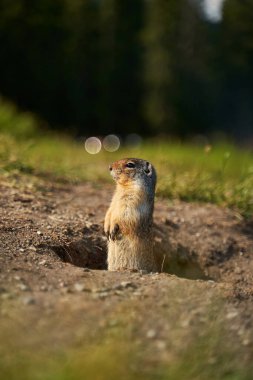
129, 219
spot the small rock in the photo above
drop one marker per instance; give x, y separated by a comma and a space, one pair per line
79, 287
118, 292
137, 294
102, 295
86, 269
42, 262
39, 233
127, 284
17, 278
232, 314
32, 248
21, 250
151, 334
28, 300
23, 287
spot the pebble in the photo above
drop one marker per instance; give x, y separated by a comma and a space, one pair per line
23, 287
42, 262
118, 292
151, 334
137, 294
232, 314
21, 250
124, 285
102, 295
86, 270
28, 300
79, 287
39, 233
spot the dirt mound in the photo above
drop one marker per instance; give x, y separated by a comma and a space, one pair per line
191, 240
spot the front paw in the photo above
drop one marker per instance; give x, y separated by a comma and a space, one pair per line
114, 232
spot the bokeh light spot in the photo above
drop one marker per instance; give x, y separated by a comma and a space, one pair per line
93, 145
111, 143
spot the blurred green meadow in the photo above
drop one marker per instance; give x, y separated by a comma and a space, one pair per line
219, 173
205, 350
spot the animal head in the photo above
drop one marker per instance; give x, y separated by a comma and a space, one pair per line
133, 171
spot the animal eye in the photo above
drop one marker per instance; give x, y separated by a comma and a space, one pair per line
147, 170
130, 165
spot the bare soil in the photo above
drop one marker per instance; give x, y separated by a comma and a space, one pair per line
55, 289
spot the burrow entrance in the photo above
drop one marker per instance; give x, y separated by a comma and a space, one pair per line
90, 251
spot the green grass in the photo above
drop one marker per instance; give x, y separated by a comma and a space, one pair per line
221, 175
204, 350
113, 360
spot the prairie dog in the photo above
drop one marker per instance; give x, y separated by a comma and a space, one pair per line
129, 219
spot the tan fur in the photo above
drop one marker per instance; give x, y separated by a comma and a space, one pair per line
129, 219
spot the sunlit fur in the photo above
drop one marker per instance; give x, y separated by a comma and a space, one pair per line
132, 210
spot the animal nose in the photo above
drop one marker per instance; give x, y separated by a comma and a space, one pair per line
110, 168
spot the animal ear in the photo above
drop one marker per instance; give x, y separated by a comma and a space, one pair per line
148, 169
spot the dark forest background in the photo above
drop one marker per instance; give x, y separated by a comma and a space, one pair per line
119, 66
